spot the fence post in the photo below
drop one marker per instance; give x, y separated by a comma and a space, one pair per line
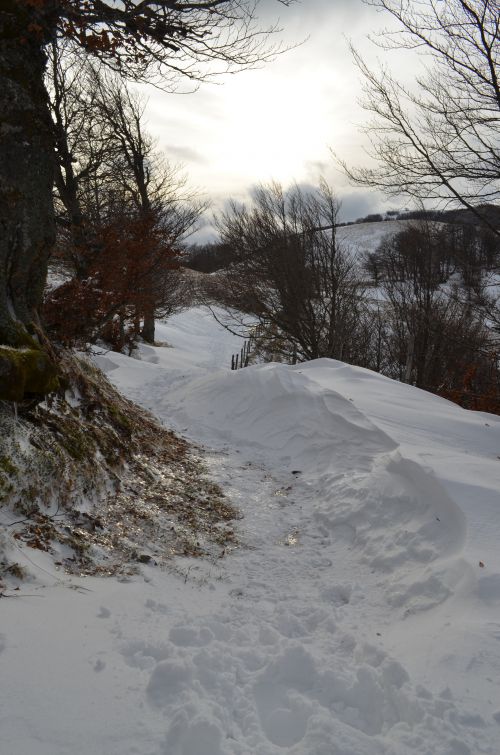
243, 358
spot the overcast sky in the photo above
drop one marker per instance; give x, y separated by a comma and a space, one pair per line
282, 121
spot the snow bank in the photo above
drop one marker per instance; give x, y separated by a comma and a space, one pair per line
298, 421
355, 620
398, 490
395, 512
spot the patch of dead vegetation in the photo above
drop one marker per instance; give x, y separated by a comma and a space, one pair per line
98, 483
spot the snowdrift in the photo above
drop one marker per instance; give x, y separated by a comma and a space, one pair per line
359, 617
374, 450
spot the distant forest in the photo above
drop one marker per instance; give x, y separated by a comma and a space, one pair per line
210, 257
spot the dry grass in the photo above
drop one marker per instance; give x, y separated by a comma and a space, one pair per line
95, 481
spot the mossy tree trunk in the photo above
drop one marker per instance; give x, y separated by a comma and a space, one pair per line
26, 178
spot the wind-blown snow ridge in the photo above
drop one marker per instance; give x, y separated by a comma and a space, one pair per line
355, 620
400, 518
281, 409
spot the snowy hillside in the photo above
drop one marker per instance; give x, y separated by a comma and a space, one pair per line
360, 615
363, 238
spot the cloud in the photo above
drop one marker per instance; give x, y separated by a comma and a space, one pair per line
357, 204
185, 154
278, 122
315, 169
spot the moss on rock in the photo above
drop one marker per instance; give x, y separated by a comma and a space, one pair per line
26, 372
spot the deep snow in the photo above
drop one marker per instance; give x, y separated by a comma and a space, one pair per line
356, 617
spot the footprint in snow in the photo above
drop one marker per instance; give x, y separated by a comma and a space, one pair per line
186, 636
338, 595
193, 737
281, 696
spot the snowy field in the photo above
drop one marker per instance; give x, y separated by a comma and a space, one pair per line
360, 615
364, 238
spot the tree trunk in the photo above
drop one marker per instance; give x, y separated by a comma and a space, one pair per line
26, 178
67, 187
148, 329
67, 182
26, 174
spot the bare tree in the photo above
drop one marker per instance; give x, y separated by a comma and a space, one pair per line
124, 210
168, 40
433, 334
83, 152
156, 189
290, 272
439, 140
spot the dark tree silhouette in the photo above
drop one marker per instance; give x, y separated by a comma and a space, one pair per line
172, 39
437, 139
291, 273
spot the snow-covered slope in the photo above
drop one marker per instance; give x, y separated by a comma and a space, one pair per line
362, 238
361, 615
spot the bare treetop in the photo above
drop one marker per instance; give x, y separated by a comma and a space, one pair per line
170, 40
438, 138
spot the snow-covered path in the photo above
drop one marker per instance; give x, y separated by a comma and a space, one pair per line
353, 620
